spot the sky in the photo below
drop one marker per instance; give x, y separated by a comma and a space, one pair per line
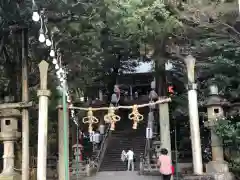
144, 67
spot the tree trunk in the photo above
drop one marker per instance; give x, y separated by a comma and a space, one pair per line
161, 84
161, 81
11, 68
113, 78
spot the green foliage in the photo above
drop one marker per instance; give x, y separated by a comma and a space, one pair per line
222, 66
229, 131
147, 21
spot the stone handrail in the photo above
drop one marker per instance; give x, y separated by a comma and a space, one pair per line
98, 160
146, 149
103, 146
144, 157
93, 164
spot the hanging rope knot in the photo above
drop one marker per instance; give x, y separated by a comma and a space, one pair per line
90, 119
135, 116
111, 118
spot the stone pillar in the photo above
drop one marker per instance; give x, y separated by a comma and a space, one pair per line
131, 92
214, 106
61, 167
165, 127
193, 116
9, 133
43, 94
61, 160
150, 120
100, 95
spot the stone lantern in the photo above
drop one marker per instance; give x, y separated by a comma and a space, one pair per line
77, 151
77, 161
9, 133
215, 111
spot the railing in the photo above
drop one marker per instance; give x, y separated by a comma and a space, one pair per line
144, 157
52, 172
98, 160
147, 152
145, 149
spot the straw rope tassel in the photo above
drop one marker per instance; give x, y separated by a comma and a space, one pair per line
111, 118
90, 119
135, 116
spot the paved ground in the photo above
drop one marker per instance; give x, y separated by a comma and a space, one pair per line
121, 175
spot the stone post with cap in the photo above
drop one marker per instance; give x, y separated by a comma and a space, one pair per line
215, 104
164, 121
61, 168
165, 134
193, 116
43, 94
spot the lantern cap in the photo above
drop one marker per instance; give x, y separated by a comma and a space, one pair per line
216, 100
77, 146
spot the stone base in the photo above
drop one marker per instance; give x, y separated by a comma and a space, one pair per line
213, 176
217, 167
14, 176
223, 176
198, 177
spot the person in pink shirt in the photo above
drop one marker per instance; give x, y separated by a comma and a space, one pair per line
165, 164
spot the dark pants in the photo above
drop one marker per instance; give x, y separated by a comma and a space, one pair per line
166, 177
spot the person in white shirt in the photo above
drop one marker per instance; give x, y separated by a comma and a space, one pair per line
130, 158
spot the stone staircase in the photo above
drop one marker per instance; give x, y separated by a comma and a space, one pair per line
122, 139
120, 175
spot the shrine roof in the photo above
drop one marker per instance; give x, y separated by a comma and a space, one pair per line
135, 79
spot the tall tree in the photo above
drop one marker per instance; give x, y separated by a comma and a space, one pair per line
149, 24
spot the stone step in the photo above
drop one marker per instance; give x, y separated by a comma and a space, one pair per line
116, 161
123, 140
128, 139
130, 144
118, 168
119, 146
120, 175
119, 150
